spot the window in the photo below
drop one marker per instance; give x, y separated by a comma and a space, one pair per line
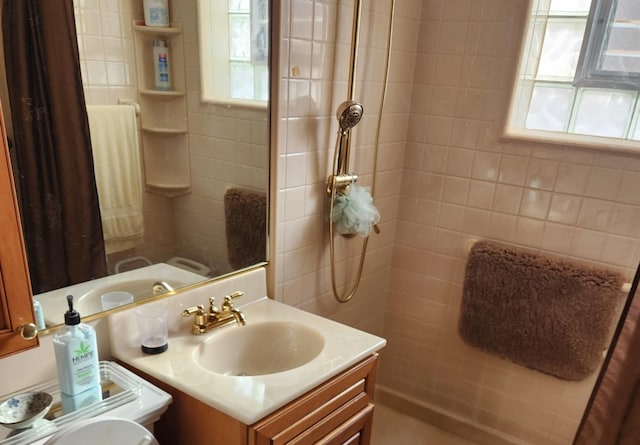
234, 50
580, 70
611, 52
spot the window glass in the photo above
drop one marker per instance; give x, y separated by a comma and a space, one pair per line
550, 107
561, 49
239, 37
603, 112
234, 42
570, 6
580, 70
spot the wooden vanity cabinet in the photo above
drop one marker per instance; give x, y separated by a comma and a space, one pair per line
16, 309
332, 413
339, 411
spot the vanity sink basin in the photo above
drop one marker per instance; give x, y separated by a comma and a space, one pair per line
245, 372
260, 349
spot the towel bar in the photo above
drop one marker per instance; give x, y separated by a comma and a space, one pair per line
466, 248
131, 102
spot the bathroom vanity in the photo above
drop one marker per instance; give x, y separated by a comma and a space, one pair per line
339, 411
287, 376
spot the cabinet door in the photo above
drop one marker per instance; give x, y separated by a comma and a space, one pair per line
356, 430
16, 309
323, 411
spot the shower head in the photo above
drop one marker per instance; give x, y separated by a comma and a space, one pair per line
349, 114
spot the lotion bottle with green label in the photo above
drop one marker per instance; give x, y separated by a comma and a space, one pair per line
76, 352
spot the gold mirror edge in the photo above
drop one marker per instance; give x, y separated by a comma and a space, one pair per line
151, 298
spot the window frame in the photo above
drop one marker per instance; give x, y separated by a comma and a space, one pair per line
215, 58
513, 128
597, 34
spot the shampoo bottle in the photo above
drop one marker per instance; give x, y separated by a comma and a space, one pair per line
161, 64
76, 352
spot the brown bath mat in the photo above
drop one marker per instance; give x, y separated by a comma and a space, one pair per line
547, 314
245, 227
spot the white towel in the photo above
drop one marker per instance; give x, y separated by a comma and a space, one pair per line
114, 138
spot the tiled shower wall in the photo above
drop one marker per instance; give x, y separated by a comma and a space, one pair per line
314, 64
228, 146
446, 177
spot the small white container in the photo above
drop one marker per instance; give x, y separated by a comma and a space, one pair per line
156, 12
39, 315
115, 299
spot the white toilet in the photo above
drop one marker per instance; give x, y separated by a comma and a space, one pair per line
103, 431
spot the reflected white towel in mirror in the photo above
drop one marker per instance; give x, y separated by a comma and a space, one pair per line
116, 158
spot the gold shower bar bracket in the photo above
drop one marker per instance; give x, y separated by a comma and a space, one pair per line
340, 182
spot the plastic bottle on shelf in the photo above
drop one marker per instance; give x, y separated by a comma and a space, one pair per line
156, 12
161, 65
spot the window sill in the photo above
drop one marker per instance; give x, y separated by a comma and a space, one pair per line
236, 103
609, 145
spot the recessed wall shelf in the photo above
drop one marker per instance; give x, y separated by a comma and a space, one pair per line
170, 190
163, 114
159, 95
165, 132
157, 31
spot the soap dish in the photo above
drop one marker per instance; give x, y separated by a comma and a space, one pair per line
23, 410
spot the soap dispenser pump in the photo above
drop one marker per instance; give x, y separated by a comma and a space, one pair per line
76, 352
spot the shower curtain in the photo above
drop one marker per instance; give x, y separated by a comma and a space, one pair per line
57, 188
612, 416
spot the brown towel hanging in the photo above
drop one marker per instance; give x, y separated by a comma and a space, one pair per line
547, 314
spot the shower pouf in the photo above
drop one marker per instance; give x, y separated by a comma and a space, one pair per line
354, 212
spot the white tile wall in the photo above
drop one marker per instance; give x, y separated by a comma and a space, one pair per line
454, 179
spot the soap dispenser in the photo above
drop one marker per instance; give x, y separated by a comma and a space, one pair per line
76, 352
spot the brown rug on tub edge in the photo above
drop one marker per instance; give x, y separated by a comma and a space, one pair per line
548, 314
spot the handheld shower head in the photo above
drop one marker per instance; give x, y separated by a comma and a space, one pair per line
349, 114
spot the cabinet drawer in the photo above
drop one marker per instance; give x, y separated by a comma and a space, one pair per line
320, 410
340, 432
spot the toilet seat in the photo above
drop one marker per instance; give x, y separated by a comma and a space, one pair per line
103, 431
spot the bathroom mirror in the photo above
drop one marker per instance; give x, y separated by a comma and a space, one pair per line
191, 227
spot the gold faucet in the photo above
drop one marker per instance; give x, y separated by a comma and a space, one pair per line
204, 321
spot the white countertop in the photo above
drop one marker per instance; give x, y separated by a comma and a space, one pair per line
246, 398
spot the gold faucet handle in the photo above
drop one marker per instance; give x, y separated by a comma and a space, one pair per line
212, 306
228, 300
198, 310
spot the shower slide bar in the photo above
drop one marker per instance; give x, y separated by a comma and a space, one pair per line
466, 248
341, 182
